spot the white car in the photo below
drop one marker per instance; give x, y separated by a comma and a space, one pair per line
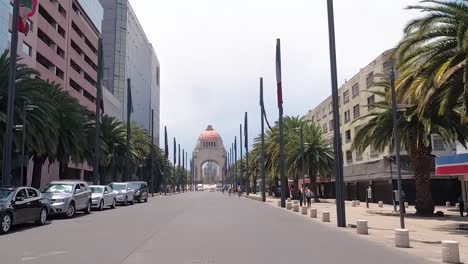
102, 196
124, 192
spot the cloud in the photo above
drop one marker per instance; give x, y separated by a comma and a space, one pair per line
212, 53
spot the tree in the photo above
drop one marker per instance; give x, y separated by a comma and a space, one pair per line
432, 56
415, 137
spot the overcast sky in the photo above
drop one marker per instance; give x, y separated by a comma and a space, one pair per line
212, 53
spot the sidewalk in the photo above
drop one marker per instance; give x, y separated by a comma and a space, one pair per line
426, 233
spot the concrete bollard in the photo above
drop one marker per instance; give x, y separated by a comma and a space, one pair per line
304, 210
289, 200
402, 238
313, 212
406, 205
362, 228
295, 202
353, 203
289, 205
450, 252
325, 216
296, 208
447, 204
278, 203
457, 205
380, 204
358, 202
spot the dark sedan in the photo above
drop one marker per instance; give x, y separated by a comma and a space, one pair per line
141, 190
22, 205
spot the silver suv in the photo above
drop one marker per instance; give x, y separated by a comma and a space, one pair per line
67, 197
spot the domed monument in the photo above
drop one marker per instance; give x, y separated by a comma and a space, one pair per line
208, 157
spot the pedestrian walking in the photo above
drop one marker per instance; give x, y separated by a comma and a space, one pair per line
299, 196
462, 205
308, 195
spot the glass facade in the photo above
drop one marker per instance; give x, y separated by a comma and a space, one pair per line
94, 11
5, 10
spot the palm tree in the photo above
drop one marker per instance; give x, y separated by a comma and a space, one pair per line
415, 137
432, 56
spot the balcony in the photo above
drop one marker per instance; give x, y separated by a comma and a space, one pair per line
51, 31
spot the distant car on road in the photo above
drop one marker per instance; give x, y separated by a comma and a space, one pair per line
141, 190
102, 196
22, 205
68, 197
125, 193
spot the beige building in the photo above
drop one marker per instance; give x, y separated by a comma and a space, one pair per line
371, 167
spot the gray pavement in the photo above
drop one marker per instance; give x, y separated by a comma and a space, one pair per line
192, 228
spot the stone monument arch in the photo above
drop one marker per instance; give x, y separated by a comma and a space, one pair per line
209, 148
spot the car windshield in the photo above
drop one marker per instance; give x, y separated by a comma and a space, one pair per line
97, 189
5, 194
136, 186
118, 186
57, 188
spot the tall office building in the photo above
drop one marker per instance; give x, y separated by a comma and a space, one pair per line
371, 167
62, 45
129, 55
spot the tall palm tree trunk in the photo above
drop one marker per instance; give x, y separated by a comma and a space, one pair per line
37, 170
422, 163
254, 183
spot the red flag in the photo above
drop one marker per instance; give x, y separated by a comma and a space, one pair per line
27, 9
279, 90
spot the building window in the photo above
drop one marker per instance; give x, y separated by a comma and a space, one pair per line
330, 124
324, 113
348, 136
437, 143
26, 49
370, 102
370, 79
345, 97
358, 156
356, 113
347, 117
374, 153
325, 128
349, 156
355, 90
330, 108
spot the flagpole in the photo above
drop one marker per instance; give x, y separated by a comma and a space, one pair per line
151, 153
235, 162
262, 155
127, 159
166, 154
340, 206
178, 169
96, 178
242, 179
284, 181
7, 146
175, 160
183, 166
246, 144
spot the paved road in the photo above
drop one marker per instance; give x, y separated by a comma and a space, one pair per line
192, 228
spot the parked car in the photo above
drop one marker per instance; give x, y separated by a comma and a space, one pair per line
124, 192
22, 205
68, 197
102, 196
141, 190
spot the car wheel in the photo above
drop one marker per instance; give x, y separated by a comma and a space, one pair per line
146, 199
88, 208
42, 217
101, 205
71, 210
6, 223
113, 204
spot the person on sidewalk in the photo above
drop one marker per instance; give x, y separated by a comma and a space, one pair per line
462, 205
308, 195
299, 196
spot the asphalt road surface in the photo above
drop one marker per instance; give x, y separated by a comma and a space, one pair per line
192, 228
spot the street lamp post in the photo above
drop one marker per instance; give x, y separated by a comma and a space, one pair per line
26, 107
301, 131
390, 161
397, 147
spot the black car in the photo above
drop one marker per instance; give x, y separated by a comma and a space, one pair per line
141, 190
22, 205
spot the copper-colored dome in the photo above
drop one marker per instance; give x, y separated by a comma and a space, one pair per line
209, 134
